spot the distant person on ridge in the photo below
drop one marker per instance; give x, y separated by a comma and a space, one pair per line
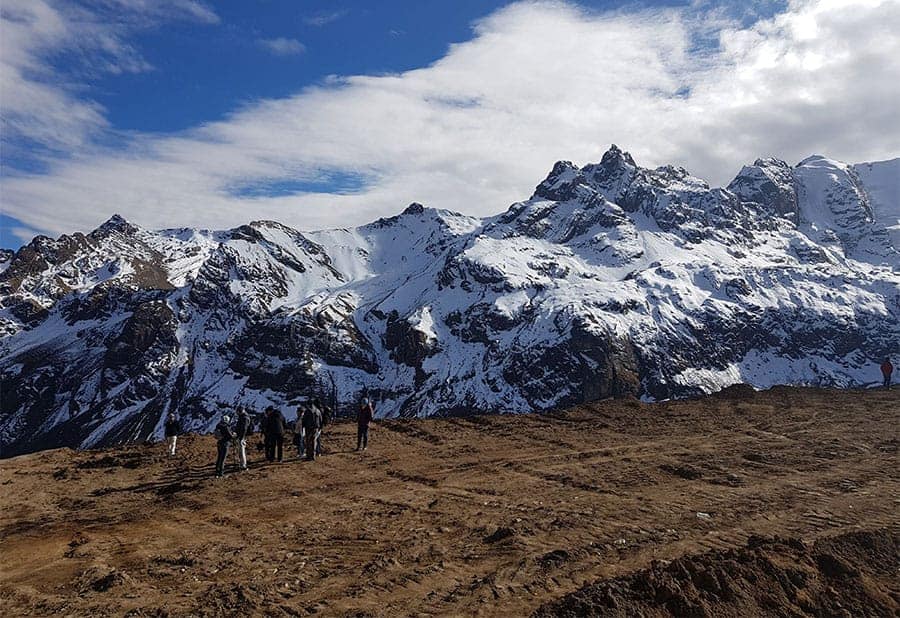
363, 418
312, 425
275, 428
241, 431
173, 430
224, 437
886, 370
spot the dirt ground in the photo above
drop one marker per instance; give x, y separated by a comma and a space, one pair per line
494, 516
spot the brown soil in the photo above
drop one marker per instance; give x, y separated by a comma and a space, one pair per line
657, 507
854, 574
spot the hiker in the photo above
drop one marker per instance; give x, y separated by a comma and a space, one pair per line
363, 418
886, 370
263, 419
275, 428
268, 438
299, 437
261, 430
326, 418
312, 425
173, 430
241, 432
224, 437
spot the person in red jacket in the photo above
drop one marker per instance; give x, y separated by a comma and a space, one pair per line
363, 418
886, 370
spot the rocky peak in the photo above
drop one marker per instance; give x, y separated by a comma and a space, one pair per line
561, 183
414, 209
833, 203
614, 174
116, 224
615, 158
769, 182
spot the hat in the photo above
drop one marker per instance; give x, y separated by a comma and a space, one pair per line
226, 418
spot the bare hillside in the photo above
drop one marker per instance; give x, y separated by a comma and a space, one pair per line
500, 515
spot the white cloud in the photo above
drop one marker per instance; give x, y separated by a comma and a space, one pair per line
476, 130
39, 104
282, 46
324, 18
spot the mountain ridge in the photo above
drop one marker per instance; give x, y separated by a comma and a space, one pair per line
611, 279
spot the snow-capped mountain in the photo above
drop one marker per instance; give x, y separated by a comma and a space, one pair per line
611, 279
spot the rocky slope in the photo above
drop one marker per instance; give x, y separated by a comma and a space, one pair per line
611, 279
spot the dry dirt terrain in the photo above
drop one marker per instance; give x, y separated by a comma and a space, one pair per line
610, 509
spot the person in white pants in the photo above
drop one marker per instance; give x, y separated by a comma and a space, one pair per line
173, 428
241, 431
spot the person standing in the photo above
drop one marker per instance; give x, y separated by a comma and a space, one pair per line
268, 439
173, 430
275, 430
299, 437
363, 418
241, 432
326, 418
886, 370
224, 437
312, 425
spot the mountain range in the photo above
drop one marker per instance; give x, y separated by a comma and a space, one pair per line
610, 280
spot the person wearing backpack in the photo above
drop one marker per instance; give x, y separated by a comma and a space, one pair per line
363, 418
275, 430
241, 432
172, 430
312, 425
886, 370
224, 437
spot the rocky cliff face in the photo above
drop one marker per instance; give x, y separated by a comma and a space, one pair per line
612, 279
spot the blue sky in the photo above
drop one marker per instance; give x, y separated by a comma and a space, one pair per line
180, 112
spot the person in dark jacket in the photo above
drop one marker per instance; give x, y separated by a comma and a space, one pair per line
268, 439
241, 432
224, 437
312, 425
173, 430
299, 435
363, 418
275, 429
886, 370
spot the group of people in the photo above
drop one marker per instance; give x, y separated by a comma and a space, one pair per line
312, 417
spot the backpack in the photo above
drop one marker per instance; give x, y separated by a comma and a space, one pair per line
218, 433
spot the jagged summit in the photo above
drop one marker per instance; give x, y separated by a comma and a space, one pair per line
616, 157
414, 209
611, 279
116, 223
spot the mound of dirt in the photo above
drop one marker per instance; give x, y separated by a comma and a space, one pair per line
852, 574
